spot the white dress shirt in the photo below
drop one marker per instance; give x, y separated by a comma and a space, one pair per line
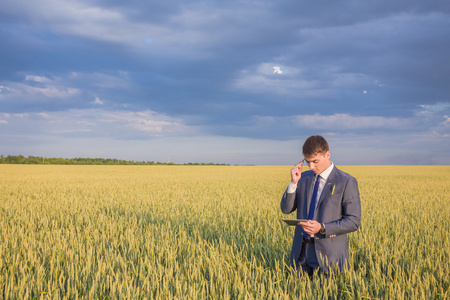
325, 174
324, 177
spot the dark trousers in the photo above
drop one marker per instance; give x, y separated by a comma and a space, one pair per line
307, 261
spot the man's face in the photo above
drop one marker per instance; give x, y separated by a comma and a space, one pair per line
318, 162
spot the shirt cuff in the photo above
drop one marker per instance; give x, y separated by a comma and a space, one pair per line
291, 188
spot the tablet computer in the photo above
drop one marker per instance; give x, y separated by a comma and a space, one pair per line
293, 222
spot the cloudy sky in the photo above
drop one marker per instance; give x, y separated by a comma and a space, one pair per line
238, 82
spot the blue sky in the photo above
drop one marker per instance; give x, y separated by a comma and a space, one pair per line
238, 82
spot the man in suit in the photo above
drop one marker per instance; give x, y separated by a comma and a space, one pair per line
335, 210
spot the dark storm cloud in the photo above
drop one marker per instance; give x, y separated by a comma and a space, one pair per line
254, 70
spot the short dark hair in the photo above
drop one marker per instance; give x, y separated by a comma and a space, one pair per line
315, 144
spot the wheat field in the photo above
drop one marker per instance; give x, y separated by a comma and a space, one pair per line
211, 232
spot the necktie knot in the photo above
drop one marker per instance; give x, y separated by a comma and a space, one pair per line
318, 178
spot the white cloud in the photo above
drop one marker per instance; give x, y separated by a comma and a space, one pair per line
260, 79
44, 115
118, 124
435, 116
85, 20
37, 78
4, 116
100, 133
277, 70
97, 101
23, 115
47, 88
299, 82
145, 121
53, 91
35, 88
268, 69
349, 122
425, 122
439, 106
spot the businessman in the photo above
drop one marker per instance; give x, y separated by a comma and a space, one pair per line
329, 199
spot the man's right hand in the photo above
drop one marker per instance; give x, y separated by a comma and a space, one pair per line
296, 172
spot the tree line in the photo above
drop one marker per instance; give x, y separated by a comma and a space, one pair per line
20, 159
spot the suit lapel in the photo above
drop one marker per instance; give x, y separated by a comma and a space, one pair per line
328, 188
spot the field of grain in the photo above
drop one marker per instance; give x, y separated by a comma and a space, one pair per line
210, 232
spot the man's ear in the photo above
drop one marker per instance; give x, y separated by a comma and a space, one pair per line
327, 155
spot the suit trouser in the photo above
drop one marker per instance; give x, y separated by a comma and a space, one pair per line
307, 261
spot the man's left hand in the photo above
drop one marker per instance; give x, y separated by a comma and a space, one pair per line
311, 226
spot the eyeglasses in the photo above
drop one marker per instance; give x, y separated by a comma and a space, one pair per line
315, 161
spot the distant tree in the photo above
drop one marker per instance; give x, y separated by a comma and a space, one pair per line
20, 159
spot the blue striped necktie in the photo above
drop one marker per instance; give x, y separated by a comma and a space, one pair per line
312, 206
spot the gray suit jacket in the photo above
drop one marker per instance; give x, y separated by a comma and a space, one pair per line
339, 208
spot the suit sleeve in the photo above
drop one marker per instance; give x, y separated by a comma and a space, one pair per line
351, 211
288, 203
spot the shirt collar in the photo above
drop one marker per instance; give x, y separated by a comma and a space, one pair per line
327, 172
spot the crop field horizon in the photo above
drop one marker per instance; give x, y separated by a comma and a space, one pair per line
211, 232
